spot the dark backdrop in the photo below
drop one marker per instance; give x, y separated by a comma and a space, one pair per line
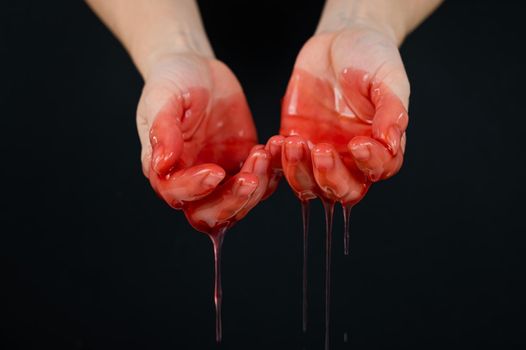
92, 259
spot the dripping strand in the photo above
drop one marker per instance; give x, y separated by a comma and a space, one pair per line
217, 241
329, 213
346, 231
305, 208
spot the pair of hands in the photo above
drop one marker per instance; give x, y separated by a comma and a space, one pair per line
343, 125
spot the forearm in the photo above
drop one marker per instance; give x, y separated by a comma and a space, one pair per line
151, 29
396, 17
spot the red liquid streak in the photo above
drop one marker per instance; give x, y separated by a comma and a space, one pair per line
346, 232
199, 144
322, 120
217, 241
305, 208
329, 212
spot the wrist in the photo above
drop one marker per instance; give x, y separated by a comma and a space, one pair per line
378, 15
150, 30
149, 52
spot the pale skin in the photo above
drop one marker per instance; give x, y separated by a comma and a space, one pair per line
189, 98
352, 59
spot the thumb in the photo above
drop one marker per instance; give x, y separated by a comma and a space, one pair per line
166, 141
158, 123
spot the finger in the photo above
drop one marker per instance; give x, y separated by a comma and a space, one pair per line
297, 167
374, 71
167, 103
220, 207
356, 92
390, 118
173, 115
188, 184
375, 102
258, 163
273, 146
332, 176
373, 158
166, 139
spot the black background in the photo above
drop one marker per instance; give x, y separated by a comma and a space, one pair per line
92, 259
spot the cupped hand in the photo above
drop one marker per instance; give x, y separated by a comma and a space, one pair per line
199, 142
344, 114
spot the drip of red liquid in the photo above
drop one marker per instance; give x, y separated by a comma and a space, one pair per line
217, 241
194, 136
305, 208
346, 232
326, 111
328, 205
346, 244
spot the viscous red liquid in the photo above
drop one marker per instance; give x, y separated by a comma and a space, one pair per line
333, 112
313, 108
328, 205
305, 209
217, 241
346, 232
216, 135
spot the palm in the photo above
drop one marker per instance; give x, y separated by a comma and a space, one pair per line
201, 155
335, 94
213, 116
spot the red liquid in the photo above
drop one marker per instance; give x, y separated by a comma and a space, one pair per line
329, 212
316, 110
346, 233
196, 128
193, 137
305, 208
206, 139
217, 241
324, 111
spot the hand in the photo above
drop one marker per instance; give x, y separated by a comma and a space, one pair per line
199, 141
344, 114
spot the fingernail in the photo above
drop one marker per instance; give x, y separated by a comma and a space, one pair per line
261, 164
256, 148
257, 162
293, 152
274, 145
360, 152
277, 140
244, 187
212, 179
393, 138
323, 160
